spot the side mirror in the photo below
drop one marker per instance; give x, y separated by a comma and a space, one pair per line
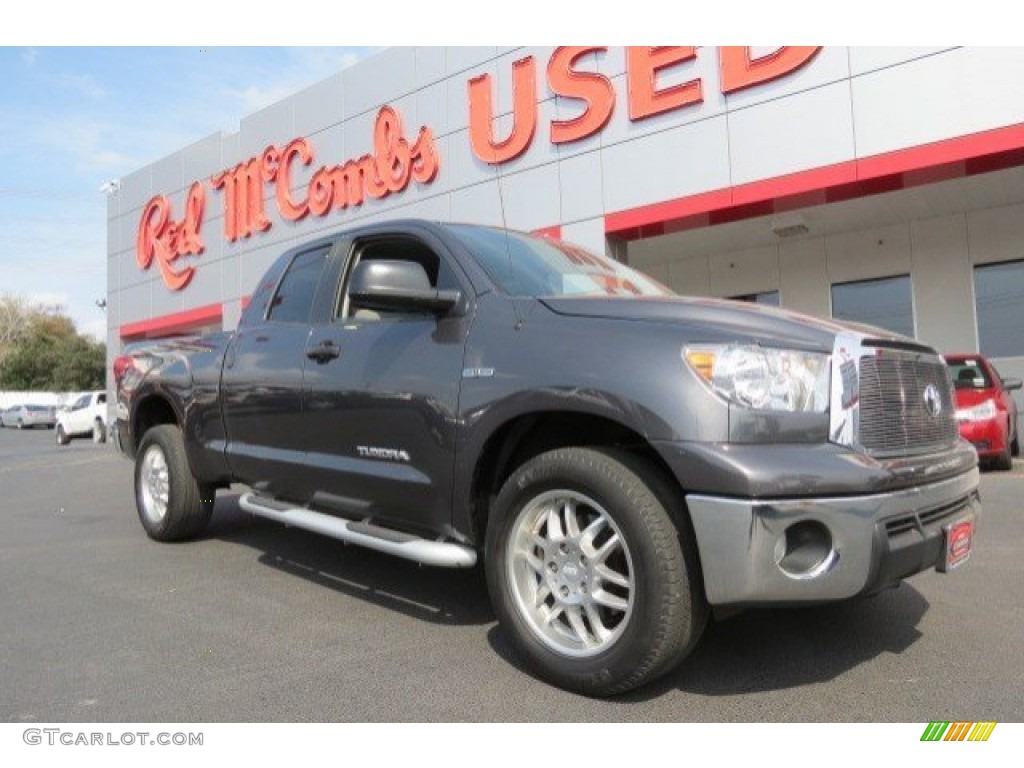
401, 286
1010, 384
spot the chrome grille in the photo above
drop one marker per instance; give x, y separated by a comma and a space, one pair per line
894, 419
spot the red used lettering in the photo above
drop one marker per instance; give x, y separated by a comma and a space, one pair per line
594, 89
740, 70
524, 114
642, 67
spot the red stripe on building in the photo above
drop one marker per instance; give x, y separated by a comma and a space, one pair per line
170, 325
555, 232
954, 158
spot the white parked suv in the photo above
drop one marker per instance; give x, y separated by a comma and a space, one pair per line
86, 416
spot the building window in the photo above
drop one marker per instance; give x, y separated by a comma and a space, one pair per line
771, 298
885, 302
999, 302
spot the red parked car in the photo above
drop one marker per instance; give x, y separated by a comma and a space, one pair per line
985, 410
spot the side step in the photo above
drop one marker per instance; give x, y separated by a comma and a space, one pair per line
404, 545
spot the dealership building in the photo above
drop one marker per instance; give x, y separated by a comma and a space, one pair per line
884, 185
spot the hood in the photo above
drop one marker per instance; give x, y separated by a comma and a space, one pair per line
772, 326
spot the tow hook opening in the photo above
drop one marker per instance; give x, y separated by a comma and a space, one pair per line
805, 550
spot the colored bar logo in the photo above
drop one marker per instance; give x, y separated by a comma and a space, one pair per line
958, 731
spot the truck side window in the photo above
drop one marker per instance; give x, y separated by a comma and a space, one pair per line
438, 271
294, 298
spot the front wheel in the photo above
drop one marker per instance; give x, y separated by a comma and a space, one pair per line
589, 574
62, 436
171, 504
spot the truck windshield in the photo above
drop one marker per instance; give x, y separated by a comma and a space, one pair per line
523, 265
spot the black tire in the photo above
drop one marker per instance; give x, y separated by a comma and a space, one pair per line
1003, 461
188, 505
666, 611
99, 435
62, 436
1015, 445
21, 424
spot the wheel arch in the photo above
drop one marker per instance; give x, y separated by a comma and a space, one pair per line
524, 436
151, 409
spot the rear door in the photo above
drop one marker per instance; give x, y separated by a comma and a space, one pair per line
381, 411
261, 383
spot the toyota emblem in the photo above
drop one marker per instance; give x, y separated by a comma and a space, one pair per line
932, 401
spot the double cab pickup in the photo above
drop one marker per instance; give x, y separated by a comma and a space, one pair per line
621, 460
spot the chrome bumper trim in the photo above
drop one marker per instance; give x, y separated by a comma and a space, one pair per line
737, 539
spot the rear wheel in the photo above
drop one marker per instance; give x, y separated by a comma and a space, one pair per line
98, 433
21, 424
588, 573
171, 504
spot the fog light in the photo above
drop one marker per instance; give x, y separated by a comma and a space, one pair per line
805, 550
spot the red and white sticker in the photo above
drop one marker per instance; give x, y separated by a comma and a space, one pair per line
959, 537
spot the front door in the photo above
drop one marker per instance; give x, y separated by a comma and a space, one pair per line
381, 407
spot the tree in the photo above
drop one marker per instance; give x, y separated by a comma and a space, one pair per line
15, 318
41, 349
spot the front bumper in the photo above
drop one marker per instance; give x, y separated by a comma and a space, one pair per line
988, 437
856, 544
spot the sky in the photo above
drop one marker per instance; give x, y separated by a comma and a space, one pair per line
75, 118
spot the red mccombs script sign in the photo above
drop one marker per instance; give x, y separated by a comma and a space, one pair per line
393, 163
396, 161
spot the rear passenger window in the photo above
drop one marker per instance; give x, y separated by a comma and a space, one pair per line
294, 298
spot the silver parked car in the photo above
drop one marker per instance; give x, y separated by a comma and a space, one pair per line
22, 416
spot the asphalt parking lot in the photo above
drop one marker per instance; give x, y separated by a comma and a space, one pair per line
256, 622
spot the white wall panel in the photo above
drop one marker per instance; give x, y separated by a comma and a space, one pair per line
531, 198
867, 58
460, 58
272, 125
430, 65
796, 133
803, 277
201, 160
682, 161
319, 107
951, 94
869, 253
941, 281
742, 272
480, 204
379, 80
588, 234
690, 277
996, 234
581, 186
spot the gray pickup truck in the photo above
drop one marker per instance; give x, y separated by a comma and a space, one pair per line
621, 459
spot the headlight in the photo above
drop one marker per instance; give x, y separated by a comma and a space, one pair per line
762, 377
983, 412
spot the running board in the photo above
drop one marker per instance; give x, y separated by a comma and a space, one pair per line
405, 545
